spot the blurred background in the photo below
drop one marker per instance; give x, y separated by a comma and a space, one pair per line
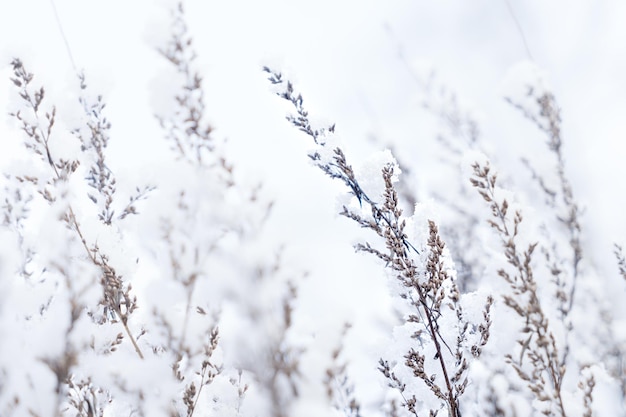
367, 66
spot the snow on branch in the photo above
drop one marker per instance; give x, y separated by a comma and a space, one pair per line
426, 281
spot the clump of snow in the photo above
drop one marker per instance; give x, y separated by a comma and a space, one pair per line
424, 210
369, 174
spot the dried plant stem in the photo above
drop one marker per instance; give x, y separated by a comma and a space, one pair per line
103, 266
387, 222
452, 403
540, 346
548, 120
62, 169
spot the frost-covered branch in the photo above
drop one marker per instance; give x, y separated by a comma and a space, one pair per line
38, 131
426, 288
545, 114
538, 344
187, 128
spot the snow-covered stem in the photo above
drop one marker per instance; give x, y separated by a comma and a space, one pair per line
187, 128
94, 137
338, 167
548, 120
39, 130
540, 346
208, 372
426, 289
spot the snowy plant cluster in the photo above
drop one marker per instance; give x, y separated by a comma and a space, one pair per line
169, 296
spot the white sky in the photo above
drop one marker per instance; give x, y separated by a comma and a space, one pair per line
344, 57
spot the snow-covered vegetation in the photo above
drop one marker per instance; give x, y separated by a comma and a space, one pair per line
161, 280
